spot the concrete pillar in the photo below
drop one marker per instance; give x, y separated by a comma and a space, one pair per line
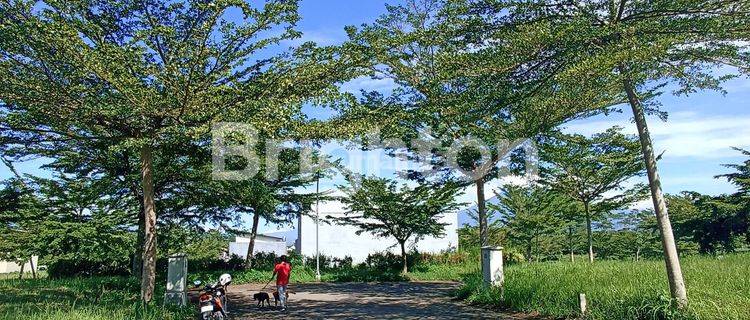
492, 266
176, 280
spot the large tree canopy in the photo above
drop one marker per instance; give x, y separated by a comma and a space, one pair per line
631, 49
140, 76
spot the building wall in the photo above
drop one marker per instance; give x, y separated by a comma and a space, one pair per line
240, 246
10, 266
340, 241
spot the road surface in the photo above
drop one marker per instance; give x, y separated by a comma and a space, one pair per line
404, 300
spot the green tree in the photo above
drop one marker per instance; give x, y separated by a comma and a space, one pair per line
593, 171
276, 199
634, 48
530, 213
18, 222
469, 234
741, 179
144, 74
380, 207
715, 224
642, 232
446, 96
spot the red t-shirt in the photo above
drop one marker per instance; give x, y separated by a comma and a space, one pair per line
282, 273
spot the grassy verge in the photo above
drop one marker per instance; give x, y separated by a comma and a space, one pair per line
444, 272
718, 288
110, 298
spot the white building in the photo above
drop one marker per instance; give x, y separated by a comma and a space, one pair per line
263, 243
341, 241
11, 266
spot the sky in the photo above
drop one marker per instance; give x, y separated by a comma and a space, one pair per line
695, 140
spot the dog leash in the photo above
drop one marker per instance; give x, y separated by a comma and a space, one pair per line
267, 283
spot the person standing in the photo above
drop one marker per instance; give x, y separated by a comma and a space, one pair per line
281, 271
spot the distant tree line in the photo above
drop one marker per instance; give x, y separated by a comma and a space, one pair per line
541, 223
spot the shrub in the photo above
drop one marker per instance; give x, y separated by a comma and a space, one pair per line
63, 268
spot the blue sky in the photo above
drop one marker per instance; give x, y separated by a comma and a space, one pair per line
695, 140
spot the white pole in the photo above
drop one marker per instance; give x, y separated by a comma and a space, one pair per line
317, 218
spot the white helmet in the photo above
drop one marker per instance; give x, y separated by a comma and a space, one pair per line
225, 279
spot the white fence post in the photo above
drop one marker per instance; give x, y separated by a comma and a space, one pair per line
582, 303
492, 266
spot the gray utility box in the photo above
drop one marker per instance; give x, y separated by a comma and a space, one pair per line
176, 280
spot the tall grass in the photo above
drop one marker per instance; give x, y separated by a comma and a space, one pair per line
110, 298
718, 288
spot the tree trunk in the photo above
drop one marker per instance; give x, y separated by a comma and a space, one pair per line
405, 270
671, 259
589, 237
33, 269
148, 276
138, 256
482, 214
570, 243
251, 246
638, 253
20, 274
528, 251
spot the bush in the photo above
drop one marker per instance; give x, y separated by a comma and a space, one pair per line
330, 263
234, 263
267, 260
63, 268
385, 261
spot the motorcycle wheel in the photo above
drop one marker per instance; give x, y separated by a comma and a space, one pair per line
206, 316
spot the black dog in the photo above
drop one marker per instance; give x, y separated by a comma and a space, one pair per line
261, 297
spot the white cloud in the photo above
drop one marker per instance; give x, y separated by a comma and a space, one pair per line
685, 134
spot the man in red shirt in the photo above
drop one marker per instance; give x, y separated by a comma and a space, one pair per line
281, 271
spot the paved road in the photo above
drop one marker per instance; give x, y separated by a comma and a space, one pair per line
409, 300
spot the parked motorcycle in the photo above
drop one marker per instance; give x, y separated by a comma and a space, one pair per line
213, 299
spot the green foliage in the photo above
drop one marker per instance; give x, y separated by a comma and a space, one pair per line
740, 178
400, 213
197, 243
71, 225
715, 224
592, 171
588, 168
82, 267
128, 84
621, 289
617, 44
530, 214
468, 236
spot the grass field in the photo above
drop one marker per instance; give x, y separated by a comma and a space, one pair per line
718, 288
110, 298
